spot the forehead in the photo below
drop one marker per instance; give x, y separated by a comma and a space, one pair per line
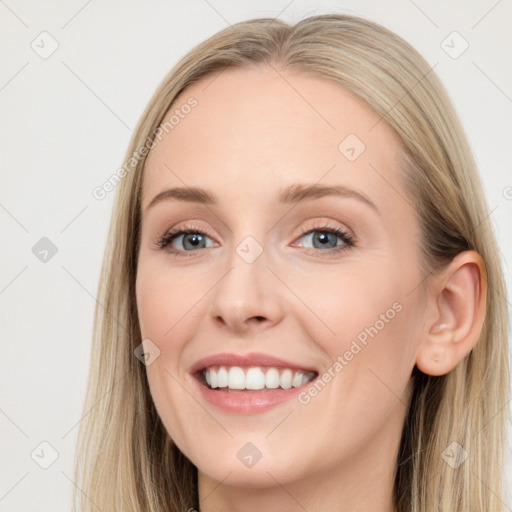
263, 128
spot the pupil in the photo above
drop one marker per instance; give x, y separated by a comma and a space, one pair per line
194, 239
324, 238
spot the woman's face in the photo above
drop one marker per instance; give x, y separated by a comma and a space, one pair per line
263, 274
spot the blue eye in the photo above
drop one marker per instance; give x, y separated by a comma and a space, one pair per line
326, 236
193, 239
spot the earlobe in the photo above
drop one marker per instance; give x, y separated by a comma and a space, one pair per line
437, 354
458, 298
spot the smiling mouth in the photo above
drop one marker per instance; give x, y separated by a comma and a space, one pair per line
254, 378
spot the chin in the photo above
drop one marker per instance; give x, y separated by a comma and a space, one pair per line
246, 466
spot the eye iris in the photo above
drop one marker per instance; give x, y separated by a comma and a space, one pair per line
323, 238
194, 238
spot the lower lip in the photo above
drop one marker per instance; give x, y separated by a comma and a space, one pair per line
247, 402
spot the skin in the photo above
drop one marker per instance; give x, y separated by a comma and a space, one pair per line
251, 135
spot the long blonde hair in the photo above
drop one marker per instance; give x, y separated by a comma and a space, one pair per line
125, 458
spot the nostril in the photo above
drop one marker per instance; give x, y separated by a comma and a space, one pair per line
256, 319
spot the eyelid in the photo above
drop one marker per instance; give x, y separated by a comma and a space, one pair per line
178, 231
343, 233
326, 224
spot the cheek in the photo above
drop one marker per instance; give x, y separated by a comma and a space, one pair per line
350, 301
152, 300
373, 323
366, 385
163, 299
160, 309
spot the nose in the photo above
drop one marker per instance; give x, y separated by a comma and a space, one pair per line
248, 297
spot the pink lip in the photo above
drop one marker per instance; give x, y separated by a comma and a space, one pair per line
246, 360
246, 402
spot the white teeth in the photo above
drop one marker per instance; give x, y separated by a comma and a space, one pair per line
297, 379
222, 378
236, 378
213, 379
272, 378
255, 378
286, 379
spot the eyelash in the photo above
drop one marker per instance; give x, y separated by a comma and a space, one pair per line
164, 241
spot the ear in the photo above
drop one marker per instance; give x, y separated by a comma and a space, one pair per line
457, 298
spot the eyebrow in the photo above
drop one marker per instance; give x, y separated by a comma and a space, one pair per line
290, 195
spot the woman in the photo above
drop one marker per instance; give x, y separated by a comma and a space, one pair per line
240, 361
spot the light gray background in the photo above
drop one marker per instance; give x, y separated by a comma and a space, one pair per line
65, 124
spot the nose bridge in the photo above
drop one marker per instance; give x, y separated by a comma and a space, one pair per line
248, 291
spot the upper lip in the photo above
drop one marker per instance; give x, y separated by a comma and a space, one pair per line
252, 359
